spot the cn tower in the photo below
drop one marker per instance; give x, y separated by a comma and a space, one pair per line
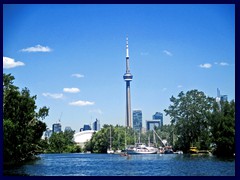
128, 77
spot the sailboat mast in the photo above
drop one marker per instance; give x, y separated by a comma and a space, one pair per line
125, 139
139, 138
149, 140
154, 139
110, 139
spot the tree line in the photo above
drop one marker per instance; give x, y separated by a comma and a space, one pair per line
196, 120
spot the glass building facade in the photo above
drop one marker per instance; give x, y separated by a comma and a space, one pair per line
158, 116
56, 128
150, 124
96, 125
137, 120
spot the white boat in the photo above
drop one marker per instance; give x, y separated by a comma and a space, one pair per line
110, 151
118, 151
141, 148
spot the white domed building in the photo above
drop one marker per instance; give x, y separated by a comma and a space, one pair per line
82, 137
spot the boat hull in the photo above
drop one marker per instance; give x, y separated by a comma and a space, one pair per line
140, 152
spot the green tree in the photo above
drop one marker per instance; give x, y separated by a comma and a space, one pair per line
22, 125
190, 113
62, 142
223, 128
57, 142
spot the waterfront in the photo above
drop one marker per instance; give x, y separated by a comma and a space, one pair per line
78, 164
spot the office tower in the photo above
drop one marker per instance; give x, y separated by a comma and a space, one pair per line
86, 127
137, 120
221, 97
56, 128
158, 116
150, 124
96, 125
128, 77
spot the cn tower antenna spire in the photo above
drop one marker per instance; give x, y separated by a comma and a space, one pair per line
127, 57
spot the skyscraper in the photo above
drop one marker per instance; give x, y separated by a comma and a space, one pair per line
96, 125
221, 97
137, 120
128, 77
158, 116
56, 128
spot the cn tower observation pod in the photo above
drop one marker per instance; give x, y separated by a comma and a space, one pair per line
127, 76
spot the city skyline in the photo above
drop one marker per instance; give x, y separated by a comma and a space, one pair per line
73, 56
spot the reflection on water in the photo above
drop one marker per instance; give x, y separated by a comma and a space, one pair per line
79, 164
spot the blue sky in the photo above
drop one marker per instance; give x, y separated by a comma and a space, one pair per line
73, 56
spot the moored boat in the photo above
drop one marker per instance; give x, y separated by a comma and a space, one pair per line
193, 150
168, 150
141, 148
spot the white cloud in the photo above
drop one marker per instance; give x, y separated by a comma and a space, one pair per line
11, 63
98, 111
179, 86
71, 90
223, 64
78, 75
167, 53
54, 96
206, 65
37, 48
81, 103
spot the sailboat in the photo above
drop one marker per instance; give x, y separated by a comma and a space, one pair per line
141, 148
110, 151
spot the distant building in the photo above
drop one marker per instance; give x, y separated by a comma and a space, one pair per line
96, 125
68, 128
85, 127
221, 97
224, 98
47, 134
158, 116
82, 137
150, 124
57, 128
137, 120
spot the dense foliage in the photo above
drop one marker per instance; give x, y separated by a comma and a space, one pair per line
22, 125
62, 143
200, 121
223, 128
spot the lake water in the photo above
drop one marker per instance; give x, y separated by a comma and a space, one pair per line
78, 164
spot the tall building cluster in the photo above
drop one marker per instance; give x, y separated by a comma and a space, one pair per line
95, 126
157, 121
